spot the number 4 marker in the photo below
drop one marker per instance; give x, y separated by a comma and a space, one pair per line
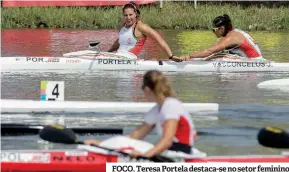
52, 90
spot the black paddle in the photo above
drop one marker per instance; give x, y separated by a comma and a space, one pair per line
14, 129
274, 137
61, 134
94, 44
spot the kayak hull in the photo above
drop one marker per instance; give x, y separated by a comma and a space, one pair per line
70, 160
38, 64
28, 106
78, 160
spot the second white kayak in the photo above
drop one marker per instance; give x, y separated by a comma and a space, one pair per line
28, 106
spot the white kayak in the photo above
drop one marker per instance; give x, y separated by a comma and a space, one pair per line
276, 84
88, 158
107, 61
28, 106
80, 160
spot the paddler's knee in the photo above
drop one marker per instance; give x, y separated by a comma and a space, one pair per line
92, 142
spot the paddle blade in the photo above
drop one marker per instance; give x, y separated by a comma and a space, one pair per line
161, 159
93, 44
58, 134
273, 137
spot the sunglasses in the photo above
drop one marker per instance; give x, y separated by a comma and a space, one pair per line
214, 29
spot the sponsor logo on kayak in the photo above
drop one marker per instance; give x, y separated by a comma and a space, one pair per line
74, 158
242, 64
42, 59
25, 157
116, 62
73, 61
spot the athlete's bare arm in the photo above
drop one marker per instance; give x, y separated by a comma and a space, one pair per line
92, 142
169, 131
141, 131
216, 48
114, 46
231, 39
227, 41
148, 31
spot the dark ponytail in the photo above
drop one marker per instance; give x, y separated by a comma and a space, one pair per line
225, 21
227, 18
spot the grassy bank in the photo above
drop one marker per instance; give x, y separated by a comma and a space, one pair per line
173, 15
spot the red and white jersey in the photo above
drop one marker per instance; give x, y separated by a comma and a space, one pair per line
129, 42
173, 109
249, 48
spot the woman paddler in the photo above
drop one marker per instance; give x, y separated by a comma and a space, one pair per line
172, 121
133, 34
233, 41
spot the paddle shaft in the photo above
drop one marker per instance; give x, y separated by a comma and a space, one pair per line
113, 150
25, 129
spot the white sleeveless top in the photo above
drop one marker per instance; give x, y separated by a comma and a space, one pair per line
173, 109
129, 42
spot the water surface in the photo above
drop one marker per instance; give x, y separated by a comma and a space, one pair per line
244, 108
